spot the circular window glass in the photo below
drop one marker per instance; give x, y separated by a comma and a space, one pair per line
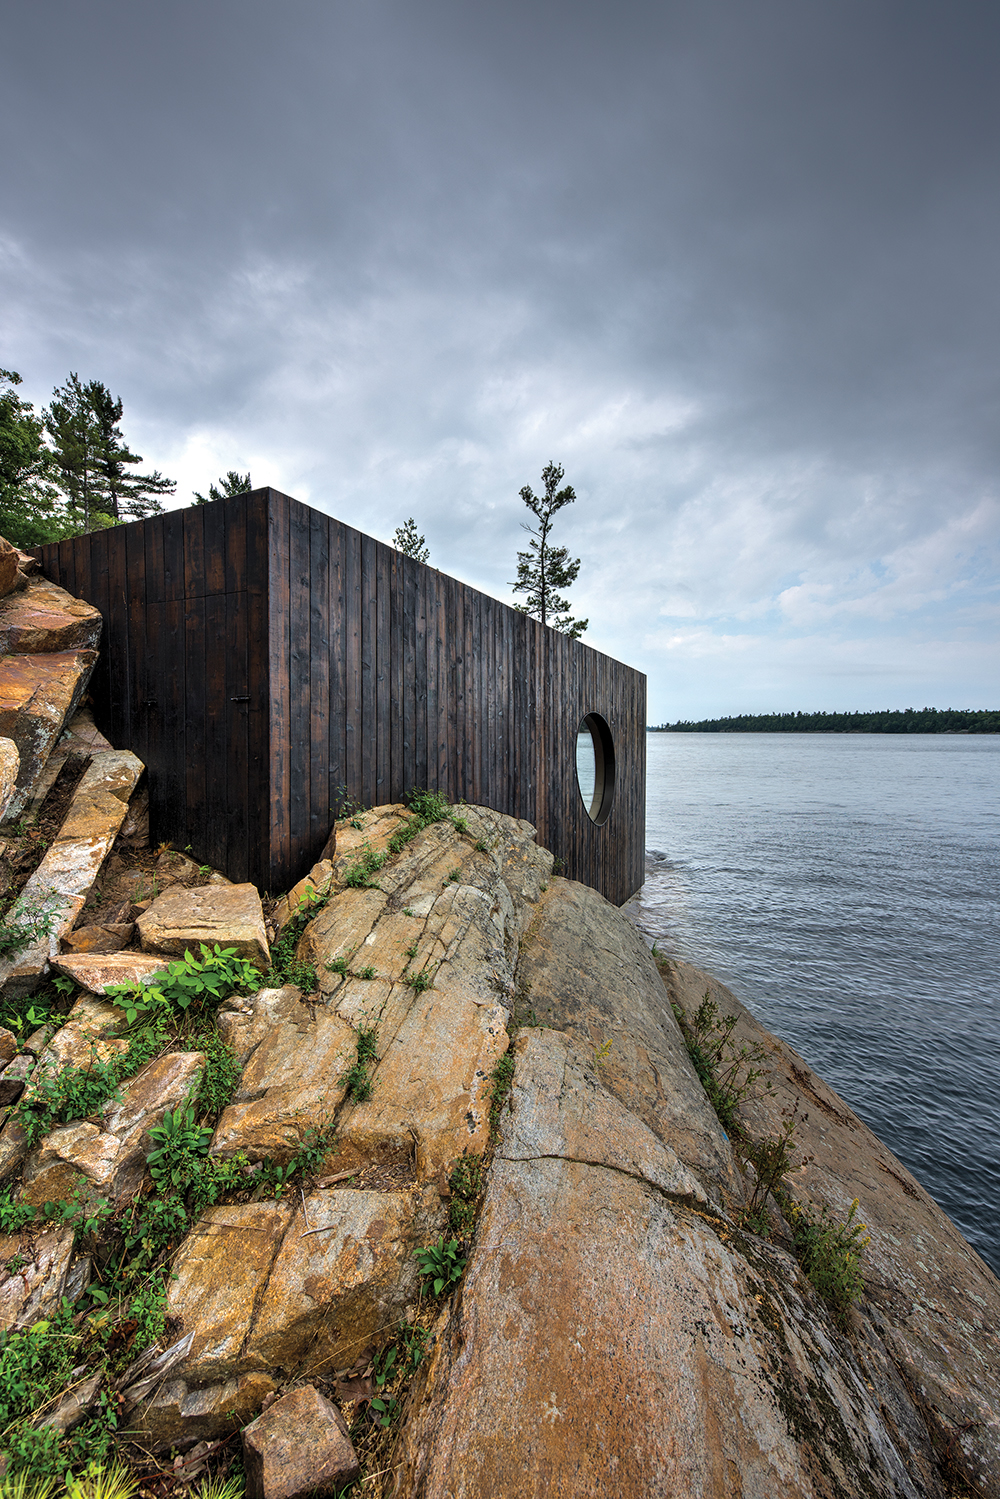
595, 766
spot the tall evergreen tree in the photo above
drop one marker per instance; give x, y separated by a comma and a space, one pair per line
29, 511
543, 569
409, 543
233, 484
93, 459
127, 495
76, 437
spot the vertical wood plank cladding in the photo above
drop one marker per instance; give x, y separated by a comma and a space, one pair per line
369, 665
432, 605
408, 652
353, 706
259, 656
193, 532
279, 656
137, 663
320, 699
423, 574
240, 796
300, 684
116, 633
396, 586
338, 666
259, 686
383, 674
218, 719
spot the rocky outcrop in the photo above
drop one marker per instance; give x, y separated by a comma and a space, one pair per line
616, 1318
10, 764
37, 695
45, 618
60, 885
931, 1315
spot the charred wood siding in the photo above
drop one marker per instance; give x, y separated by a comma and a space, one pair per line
265, 661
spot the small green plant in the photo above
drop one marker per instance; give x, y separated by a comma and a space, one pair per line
829, 1252
728, 1074
71, 1093
357, 1078
367, 972
466, 1183
601, 1053
455, 875
339, 965
383, 1404
286, 966
359, 874
772, 1159
30, 918
221, 1076
481, 847
189, 984
408, 912
430, 806
461, 824
419, 982
177, 1140
115, 1482
500, 1080
441, 1264
411, 951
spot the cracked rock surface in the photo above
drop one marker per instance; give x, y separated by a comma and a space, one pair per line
614, 1321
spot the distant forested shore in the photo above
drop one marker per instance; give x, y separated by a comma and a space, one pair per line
891, 721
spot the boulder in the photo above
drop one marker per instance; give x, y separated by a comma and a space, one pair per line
33, 1271
100, 971
292, 1081
230, 915
272, 1290
108, 937
176, 868
13, 1078
37, 695
299, 1446
63, 879
9, 560
8, 1046
45, 618
75, 1158
10, 764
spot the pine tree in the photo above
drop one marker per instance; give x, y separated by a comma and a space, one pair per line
233, 484
543, 569
93, 459
76, 437
409, 543
127, 495
29, 510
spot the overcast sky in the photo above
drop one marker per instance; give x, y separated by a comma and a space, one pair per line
733, 265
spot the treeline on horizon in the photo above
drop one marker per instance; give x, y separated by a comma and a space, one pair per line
889, 721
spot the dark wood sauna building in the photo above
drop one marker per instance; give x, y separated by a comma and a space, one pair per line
266, 662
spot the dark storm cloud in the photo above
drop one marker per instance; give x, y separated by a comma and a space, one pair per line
732, 264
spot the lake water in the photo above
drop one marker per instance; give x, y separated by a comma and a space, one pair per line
847, 888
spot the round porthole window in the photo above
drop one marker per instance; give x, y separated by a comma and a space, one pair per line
595, 767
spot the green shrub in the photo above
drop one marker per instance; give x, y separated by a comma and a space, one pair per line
829, 1252
189, 984
359, 874
28, 919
